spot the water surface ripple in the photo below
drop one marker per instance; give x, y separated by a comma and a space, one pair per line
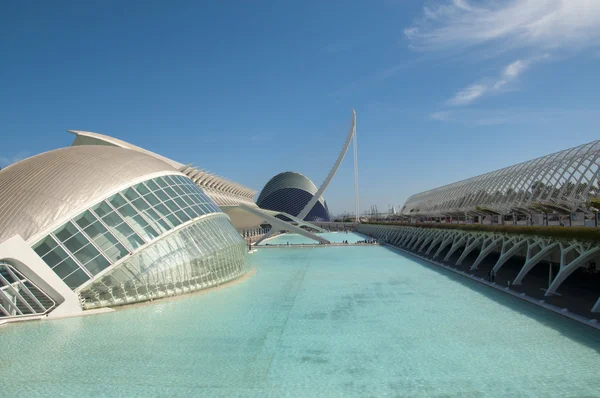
312, 322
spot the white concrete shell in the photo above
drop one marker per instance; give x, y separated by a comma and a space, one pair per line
221, 190
41, 191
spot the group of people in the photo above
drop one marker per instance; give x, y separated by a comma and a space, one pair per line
368, 241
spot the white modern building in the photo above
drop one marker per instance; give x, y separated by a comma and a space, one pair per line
564, 182
95, 225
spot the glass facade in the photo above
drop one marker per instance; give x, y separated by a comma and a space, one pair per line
205, 253
114, 228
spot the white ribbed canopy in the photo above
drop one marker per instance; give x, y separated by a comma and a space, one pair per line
37, 192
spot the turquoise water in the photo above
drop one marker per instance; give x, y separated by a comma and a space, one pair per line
295, 239
312, 322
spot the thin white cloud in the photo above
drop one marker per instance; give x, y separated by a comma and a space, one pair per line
468, 94
517, 24
506, 80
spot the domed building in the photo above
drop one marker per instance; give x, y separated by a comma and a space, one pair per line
289, 192
94, 225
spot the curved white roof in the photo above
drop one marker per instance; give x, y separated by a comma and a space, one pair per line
37, 192
234, 191
561, 182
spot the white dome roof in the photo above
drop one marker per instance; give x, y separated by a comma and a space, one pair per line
40, 191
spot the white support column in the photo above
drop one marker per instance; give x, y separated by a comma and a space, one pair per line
419, 239
430, 237
506, 252
449, 238
489, 245
568, 269
474, 243
458, 242
596, 307
532, 262
440, 238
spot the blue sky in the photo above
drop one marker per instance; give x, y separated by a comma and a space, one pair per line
443, 90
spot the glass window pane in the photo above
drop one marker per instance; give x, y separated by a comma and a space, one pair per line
140, 204
127, 212
66, 231
94, 230
86, 253
116, 252
181, 203
190, 213
179, 191
198, 198
65, 268
171, 205
112, 219
123, 231
206, 208
199, 210
105, 241
117, 201
134, 241
170, 192
188, 200
182, 216
156, 218
150, 232
152, 199
185, 189
102, 209
76, 242
174, 220
45, 246
137, 222
85, 219
163, 196
55, 256
152, 185
76, 279
160, 182
162, 210
131, 194
170, 180
97, 264
142, 189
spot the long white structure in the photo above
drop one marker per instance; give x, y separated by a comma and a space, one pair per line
562, 182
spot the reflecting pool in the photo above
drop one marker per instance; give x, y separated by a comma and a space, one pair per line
326, 322
334, 237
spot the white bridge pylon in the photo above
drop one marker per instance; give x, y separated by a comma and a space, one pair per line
333, 170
